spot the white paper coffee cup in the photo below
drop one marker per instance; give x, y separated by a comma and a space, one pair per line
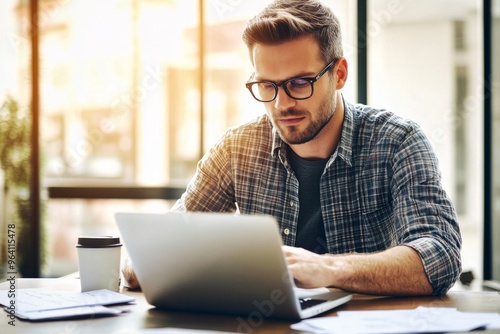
99, 262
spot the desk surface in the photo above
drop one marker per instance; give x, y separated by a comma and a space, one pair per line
142, 315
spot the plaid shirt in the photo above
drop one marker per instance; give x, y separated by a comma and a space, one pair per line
381, 188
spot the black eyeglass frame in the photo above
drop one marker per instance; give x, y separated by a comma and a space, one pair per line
276, 85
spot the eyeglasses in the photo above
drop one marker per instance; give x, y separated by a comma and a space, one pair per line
296, 88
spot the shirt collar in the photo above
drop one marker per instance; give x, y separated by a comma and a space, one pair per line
344, 149
277, 142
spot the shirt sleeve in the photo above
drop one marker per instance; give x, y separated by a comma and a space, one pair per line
428, 220
211, 189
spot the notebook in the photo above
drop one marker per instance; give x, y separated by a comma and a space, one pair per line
218, 263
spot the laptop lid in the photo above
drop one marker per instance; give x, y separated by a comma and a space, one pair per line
214, 262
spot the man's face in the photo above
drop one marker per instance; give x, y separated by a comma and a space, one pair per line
297, 121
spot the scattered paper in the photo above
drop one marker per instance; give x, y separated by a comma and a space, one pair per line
43, 304
418, 320
179, 331
74, 312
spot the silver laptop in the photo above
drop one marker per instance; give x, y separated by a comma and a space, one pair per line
218, 263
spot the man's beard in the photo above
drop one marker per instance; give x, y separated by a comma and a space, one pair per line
292, 135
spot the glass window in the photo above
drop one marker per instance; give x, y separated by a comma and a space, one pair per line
111, 75
14, 69
120, 97
425, 64
119, 86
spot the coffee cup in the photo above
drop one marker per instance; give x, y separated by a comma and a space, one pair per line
99, 262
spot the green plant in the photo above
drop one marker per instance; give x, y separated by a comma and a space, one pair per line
14, 145
15, 148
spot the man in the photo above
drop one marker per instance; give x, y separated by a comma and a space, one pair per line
356, 191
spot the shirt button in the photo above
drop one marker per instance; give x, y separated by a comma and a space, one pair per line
291, 204
286, 231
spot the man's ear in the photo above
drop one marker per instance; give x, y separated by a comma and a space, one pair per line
340, 71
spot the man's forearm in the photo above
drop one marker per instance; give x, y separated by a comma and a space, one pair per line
396, 271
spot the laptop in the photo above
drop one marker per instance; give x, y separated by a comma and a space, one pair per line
218, 263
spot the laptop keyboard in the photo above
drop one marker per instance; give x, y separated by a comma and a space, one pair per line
305, 303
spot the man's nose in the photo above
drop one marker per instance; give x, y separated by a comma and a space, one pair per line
283, 101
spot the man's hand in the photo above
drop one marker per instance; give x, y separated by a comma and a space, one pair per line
310, 270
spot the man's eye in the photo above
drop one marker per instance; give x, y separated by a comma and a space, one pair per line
266, 85
298, 83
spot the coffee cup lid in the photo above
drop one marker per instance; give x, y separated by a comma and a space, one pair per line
98, 242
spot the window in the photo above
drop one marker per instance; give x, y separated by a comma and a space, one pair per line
425, 64
127, 99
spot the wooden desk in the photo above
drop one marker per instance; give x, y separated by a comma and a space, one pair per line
142, 315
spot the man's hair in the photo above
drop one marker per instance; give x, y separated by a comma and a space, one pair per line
286, 20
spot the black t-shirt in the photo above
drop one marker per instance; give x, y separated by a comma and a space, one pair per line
310, 229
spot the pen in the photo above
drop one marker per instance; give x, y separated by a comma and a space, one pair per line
237, 212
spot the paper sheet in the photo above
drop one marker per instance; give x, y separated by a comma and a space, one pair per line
74, 312
419, 320
179, 331
42, 304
